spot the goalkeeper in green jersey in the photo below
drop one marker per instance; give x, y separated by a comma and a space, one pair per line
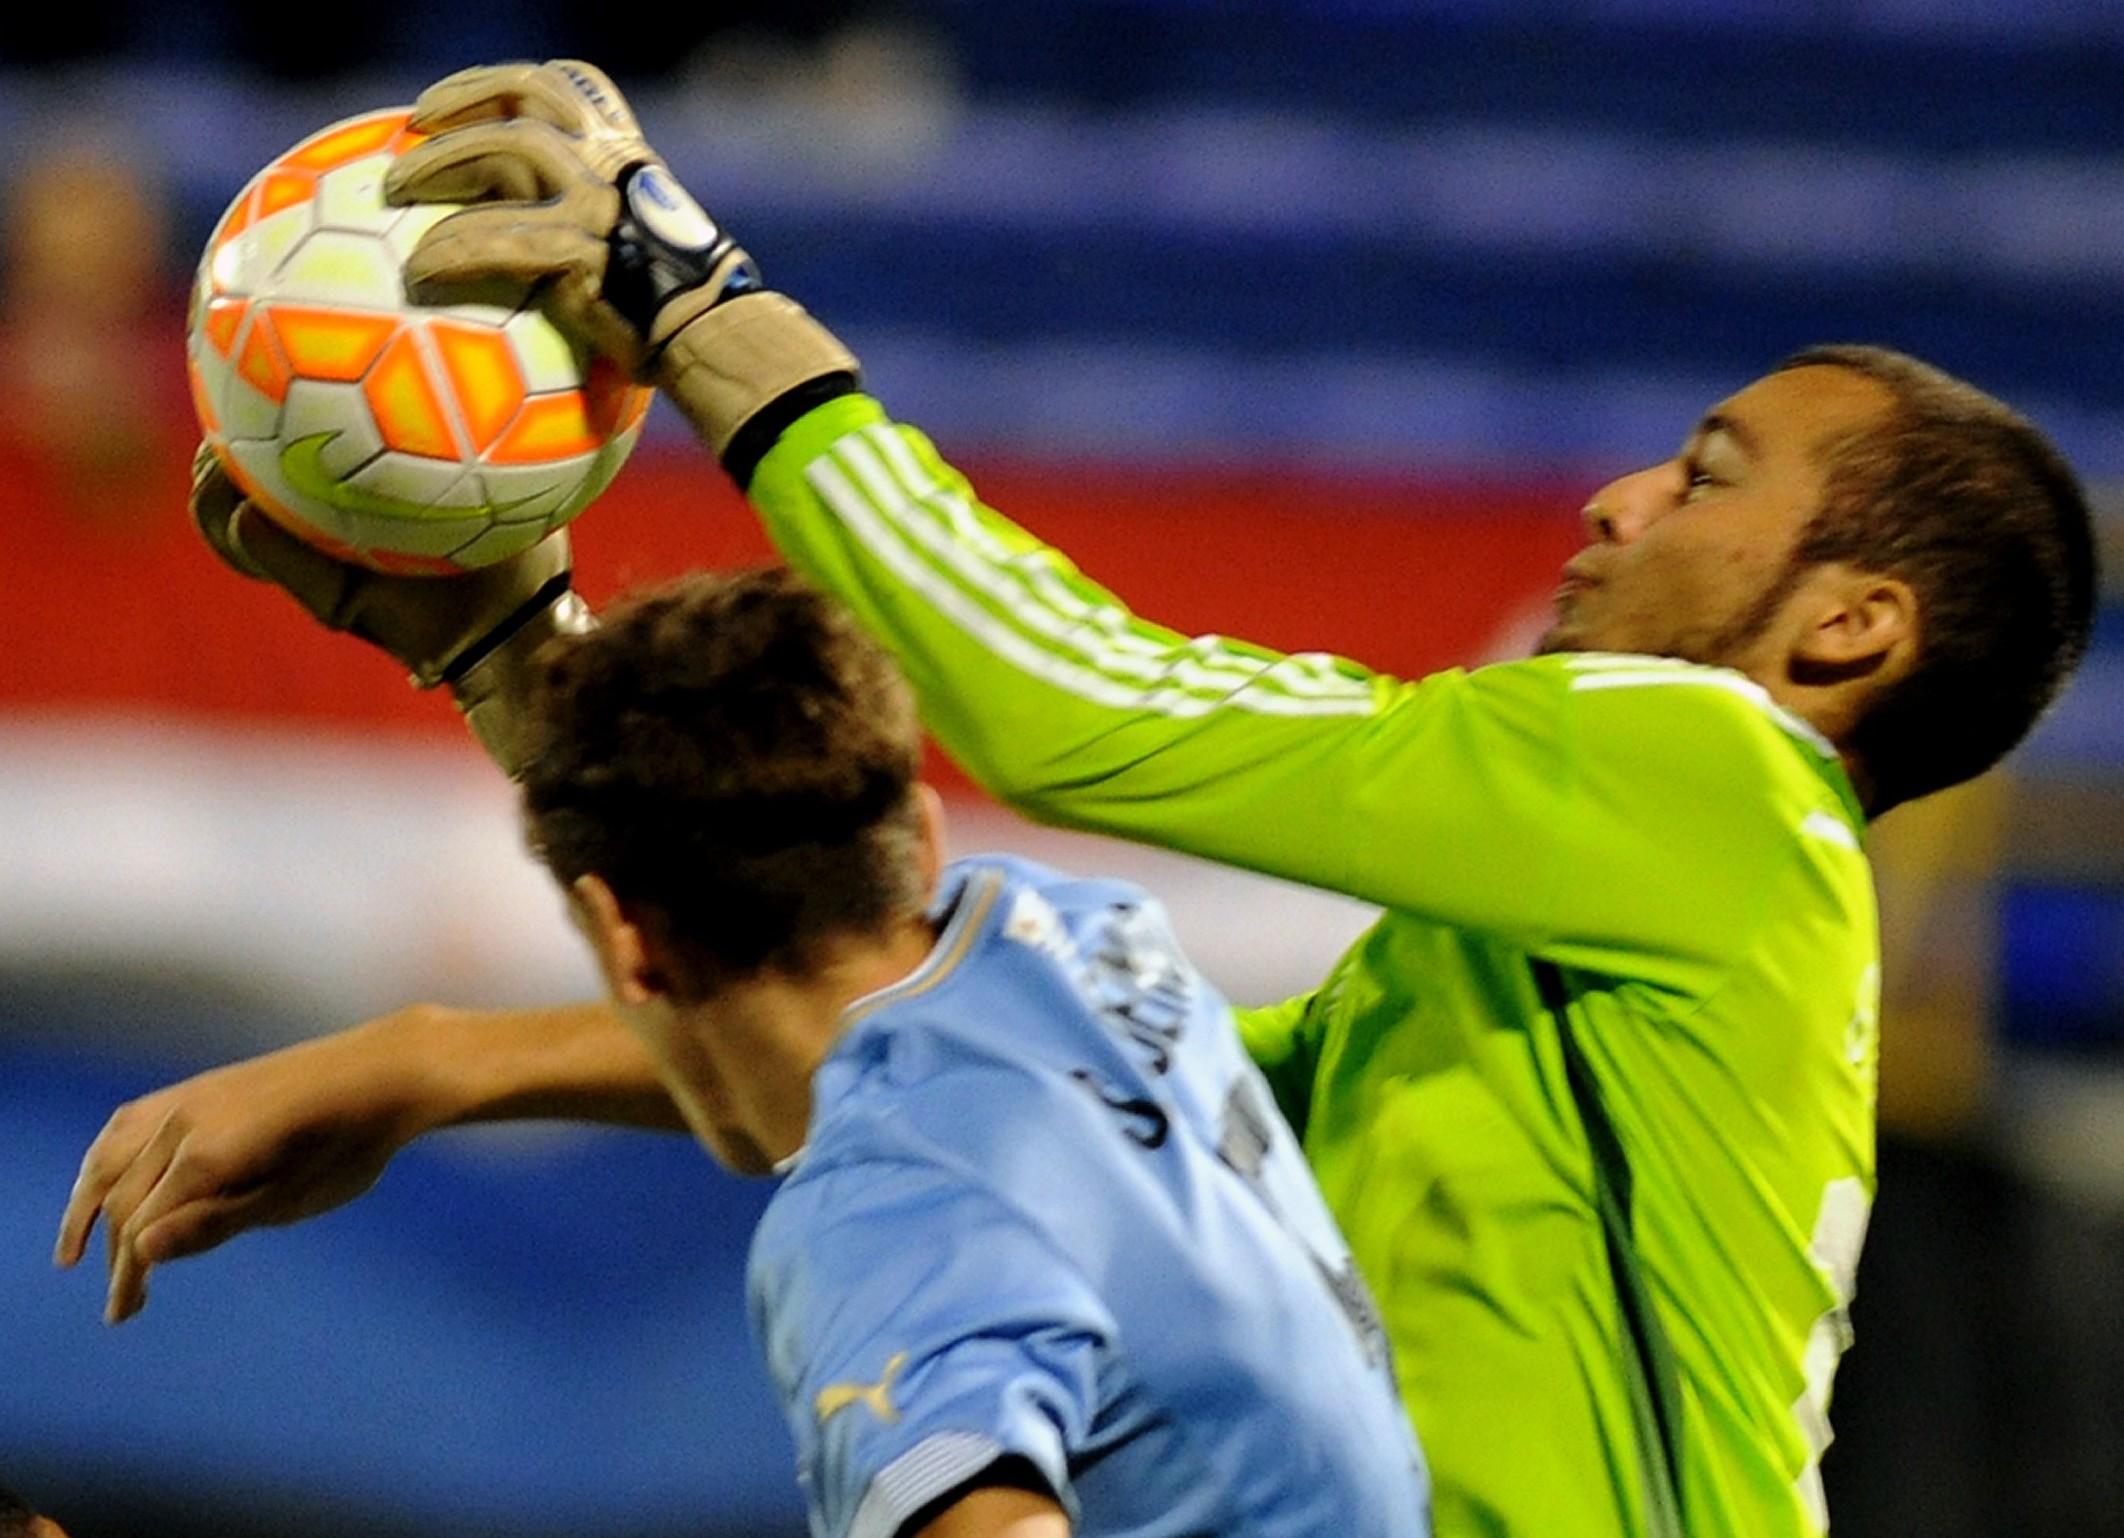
1593, 1100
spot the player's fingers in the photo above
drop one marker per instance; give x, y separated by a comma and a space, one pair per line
126, 1270
515, 161
127, 1293
113, 1153
201, 1224
186, 1183
83, 1203
142, 1175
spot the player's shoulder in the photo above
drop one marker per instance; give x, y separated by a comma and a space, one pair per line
1063, 889
897, 1170
1681, 740
922, 1067
1051, 911
868, 1182
1693, 706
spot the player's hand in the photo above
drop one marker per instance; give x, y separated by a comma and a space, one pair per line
472, 631
568, 199
567, 196
435, 625
271, 1140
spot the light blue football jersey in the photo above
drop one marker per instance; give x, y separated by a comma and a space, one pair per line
1048, 1211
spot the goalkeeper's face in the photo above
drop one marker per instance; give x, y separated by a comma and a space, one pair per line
1691, 557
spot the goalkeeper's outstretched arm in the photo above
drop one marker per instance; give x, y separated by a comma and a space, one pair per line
1038, 682
1453, 796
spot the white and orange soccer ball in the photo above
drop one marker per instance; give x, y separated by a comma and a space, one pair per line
409, 438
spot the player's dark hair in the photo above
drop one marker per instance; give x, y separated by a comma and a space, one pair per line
734, 751
18, 1518
1966, 501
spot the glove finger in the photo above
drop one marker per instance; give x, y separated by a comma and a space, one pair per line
321, 584
509, 161
481, 93
526, 245
214, 503
568, 93
426, 622
205, 463
481, 252
593, 94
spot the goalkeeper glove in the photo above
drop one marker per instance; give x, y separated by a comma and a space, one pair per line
474, 632
568, 197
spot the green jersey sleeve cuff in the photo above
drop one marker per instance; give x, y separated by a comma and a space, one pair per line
781, 467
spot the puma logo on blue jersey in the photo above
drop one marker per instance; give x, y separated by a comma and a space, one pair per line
836, 1397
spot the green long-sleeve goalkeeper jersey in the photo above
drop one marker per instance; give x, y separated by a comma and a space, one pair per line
1593, 1099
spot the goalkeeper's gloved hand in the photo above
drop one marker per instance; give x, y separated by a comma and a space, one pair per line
475, 632
567, 197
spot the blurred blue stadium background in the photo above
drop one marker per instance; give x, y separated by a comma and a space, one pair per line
1493, 242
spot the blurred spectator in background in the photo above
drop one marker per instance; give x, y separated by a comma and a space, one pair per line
91, 334
1937, 868
95, 430
1981, 1397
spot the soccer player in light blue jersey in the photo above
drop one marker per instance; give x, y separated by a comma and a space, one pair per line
1045, 1259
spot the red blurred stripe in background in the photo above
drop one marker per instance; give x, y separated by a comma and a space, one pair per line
114, 602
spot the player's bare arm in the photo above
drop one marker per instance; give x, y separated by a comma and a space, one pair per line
1000, 1512
294, 1133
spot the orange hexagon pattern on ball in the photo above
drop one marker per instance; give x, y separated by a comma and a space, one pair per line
408, 438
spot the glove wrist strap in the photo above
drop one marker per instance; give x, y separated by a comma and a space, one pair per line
664, 245
493, 692
723, 364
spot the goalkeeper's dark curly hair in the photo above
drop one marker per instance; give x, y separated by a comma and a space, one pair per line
735, 752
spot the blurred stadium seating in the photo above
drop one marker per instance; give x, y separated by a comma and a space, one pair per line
1280, 281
